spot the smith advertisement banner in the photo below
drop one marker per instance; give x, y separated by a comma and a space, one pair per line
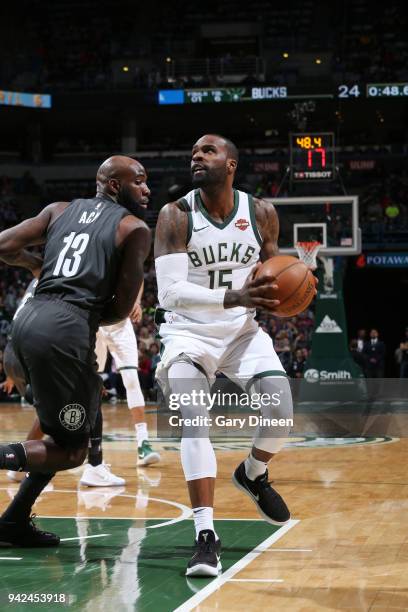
331, 370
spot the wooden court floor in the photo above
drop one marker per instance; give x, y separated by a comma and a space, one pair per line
126, 548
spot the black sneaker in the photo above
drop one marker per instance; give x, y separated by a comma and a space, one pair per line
269, 503
25, 535
206, 559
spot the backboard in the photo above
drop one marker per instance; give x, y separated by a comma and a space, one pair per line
331, 220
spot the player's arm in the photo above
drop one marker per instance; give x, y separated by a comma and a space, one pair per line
136, 312
267, 222
134, 240
175, 291
15, 240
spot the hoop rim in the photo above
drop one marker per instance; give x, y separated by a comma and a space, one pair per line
307, 251
308, 245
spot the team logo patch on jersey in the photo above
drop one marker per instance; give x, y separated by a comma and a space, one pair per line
242, 224
72, 416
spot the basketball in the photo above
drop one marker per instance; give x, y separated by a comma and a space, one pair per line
296, 284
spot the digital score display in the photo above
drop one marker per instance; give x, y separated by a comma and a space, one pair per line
272, 93
29, 100
312, 156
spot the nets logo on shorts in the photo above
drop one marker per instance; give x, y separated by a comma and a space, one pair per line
72, 416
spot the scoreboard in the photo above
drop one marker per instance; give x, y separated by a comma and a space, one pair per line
273, 93
312, 156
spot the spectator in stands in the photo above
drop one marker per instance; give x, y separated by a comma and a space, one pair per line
145, 339
361, 339
300, 341
154, 356
359, 356
297, 365
375, 353
145, 371
285, 354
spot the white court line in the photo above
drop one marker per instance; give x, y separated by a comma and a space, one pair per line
234, 569
100, 535
186, 512
109, 518
10, 558
255, 580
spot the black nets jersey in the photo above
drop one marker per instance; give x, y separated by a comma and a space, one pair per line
80, 257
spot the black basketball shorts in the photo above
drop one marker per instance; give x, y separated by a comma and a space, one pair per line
55, 343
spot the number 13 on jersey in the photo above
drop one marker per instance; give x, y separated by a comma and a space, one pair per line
68, 263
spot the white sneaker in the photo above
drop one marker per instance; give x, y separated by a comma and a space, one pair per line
100, 476
15, 476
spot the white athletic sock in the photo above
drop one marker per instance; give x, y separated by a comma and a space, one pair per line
203, 519
141, 433
253, 467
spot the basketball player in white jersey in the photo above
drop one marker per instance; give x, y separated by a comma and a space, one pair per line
207, 248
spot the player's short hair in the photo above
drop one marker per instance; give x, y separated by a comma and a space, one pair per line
231, 147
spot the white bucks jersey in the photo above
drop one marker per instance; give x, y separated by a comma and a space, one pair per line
221, 254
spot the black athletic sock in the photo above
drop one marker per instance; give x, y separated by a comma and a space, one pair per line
95, 442
19, 510
13, 457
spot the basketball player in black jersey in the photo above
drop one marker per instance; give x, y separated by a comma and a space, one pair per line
91, 274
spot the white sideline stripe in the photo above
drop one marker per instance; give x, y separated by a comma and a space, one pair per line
138, 518
234, 569
111, 518
10, 558
99, 535
255, 580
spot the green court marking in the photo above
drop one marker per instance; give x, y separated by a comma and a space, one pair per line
132, 568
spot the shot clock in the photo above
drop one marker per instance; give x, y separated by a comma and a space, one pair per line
312, 156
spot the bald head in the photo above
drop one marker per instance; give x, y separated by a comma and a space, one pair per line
124, 180
117, 167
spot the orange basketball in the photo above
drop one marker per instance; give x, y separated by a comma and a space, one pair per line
296, 284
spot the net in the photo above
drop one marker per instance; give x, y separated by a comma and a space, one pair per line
308, 251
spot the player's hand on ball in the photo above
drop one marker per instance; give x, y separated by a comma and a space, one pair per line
256, 293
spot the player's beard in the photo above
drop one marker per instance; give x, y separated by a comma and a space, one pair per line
209, 178
127, 200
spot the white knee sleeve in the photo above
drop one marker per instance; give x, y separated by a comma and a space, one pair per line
134, 393
271, 438
198, 458
197, 454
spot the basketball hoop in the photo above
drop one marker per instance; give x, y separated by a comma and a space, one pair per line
308, 251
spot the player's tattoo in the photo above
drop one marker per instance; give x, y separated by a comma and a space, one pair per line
171, 230
267, 222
